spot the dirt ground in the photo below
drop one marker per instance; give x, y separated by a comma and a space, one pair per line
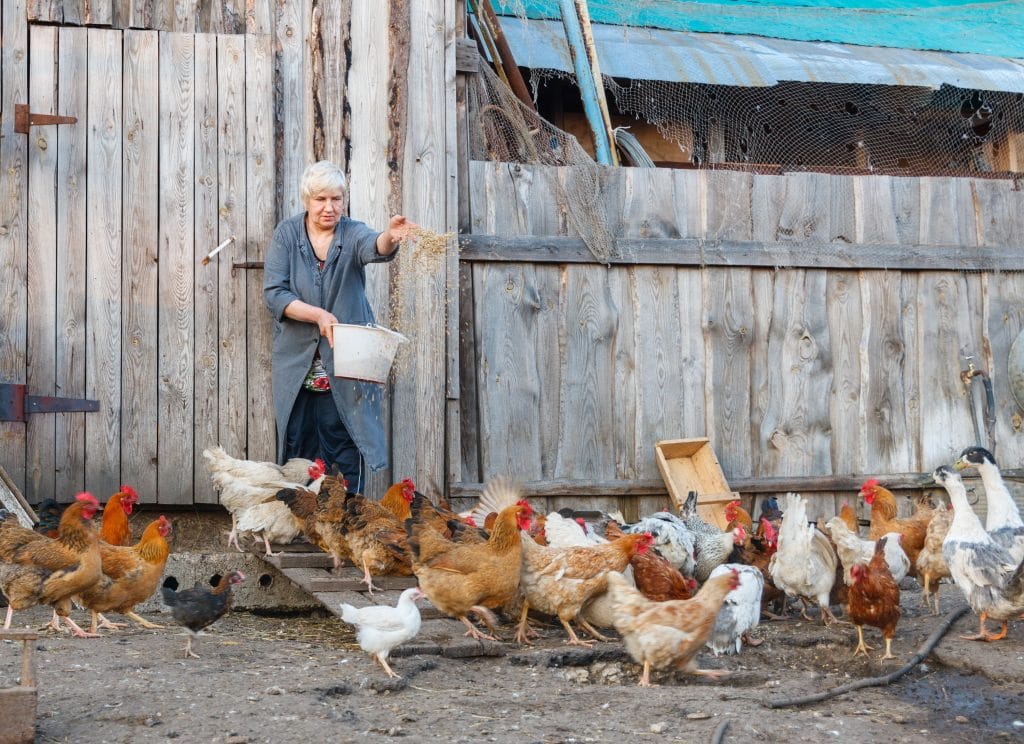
302, 678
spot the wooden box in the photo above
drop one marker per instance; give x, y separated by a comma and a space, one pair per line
690, 465
18, 704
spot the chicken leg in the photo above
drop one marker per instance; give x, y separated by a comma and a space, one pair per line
574, 640
388, 669
143, 621
367, 579
888, 649
522, 629
861, 646
592, 630
984, 635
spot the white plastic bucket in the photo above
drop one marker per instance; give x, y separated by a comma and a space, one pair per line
365, 352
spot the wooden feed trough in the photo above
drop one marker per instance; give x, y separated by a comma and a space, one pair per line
18, 704
309, 568
690, 465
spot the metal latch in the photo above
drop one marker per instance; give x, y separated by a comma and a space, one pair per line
23, 119
16, 404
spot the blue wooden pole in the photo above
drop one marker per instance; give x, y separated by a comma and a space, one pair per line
585, 79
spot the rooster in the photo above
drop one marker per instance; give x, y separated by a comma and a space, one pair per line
883, 520
1002, 520
804, 565
201, 606
114, 523
381, 628
35, 569
668, 634
737, 516
130, 575
874, 599
462, 578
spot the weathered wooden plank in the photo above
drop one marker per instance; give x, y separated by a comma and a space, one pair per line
945, 326
469, 402
100, 12
177, 268
141, 270
259, 226
329, 40
340, 584
259, 17
211, 310
728, 327
70, 267
103, 260
232, 210
13, 231
467, 58
42, 254
740, 253
302, 560
294, 102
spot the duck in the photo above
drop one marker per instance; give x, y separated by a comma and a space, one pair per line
1002, 520
992, 582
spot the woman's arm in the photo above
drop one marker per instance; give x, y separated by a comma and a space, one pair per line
306, 313
398, 230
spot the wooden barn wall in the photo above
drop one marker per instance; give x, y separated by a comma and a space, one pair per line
106, 297
579, 368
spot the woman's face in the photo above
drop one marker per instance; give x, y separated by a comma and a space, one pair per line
325, 209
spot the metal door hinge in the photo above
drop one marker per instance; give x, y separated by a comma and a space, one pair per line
16, 403
23, 119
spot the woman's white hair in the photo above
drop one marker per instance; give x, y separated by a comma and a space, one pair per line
320, 177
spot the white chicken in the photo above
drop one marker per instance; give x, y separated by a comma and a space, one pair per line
853, 549
1002, 520
804, 565
381, 628
990, 579
256, 472
672, 539
741, 610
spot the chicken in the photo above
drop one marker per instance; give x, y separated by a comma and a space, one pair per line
989, 578
737, 516
257, 473
201, 606
757, 551
804, 565
375, 538
1002, 520
931, 565
673, 539
48, 512
559, 581
130, 576
561, 532
852, 550
243, 484
114, 524
35, 569
398, 497
740, 611
381, 628
655, 577
269, 519
874, 598
462, 578
883, 520
668, 634
711, 546
849, 516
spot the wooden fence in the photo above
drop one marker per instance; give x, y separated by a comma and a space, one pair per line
810, 325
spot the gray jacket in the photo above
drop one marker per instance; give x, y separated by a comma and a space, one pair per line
290, 273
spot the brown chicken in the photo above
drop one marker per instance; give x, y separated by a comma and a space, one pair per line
130, 575
849, 516
874, 599
655, 577
462, 578
35, 569
737, 516
660, 635
398, 497
114, 523
559, 581
883, 520
931, 564
376, 539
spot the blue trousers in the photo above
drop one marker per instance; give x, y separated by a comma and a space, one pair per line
315, 430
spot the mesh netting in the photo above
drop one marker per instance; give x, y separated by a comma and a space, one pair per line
828, 127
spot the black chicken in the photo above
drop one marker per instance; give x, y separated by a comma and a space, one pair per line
49, 513
201, 606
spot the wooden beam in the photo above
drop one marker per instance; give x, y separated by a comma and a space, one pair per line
701, 252
467, 58
656, 487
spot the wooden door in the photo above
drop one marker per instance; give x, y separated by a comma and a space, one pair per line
172, 153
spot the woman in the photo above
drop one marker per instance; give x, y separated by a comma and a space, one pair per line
314, 276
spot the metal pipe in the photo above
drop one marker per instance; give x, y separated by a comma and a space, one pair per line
515, 78
585, 80
583, 13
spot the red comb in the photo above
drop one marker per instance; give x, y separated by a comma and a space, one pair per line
525, 504
408, 482
470, 521
86, 497
869, 485
130, 492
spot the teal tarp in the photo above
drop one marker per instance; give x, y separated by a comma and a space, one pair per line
995, 28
